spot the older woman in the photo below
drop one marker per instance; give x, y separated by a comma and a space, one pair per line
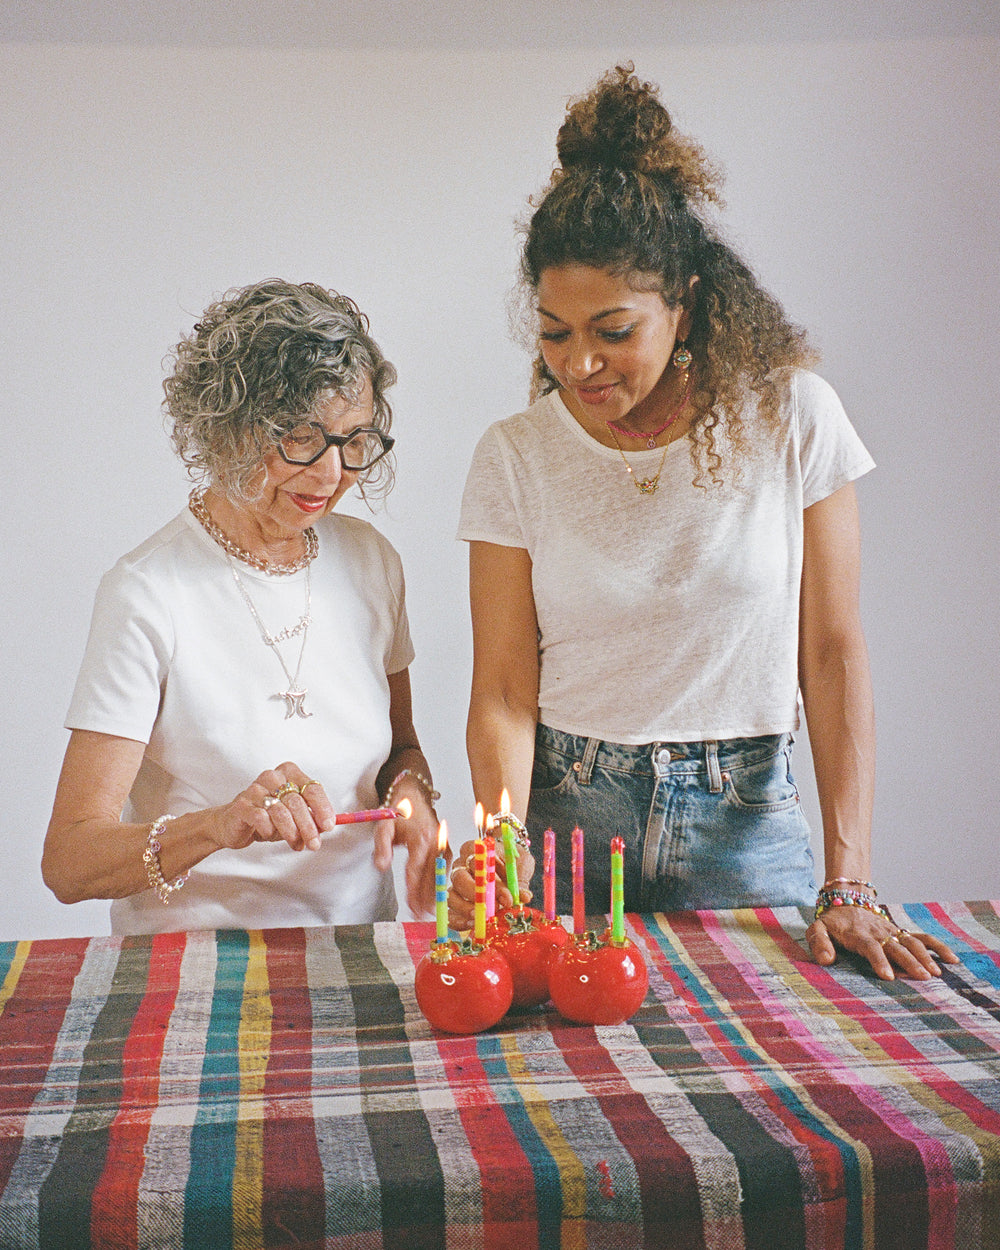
246, 676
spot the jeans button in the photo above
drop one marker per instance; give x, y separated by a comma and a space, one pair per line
663, 757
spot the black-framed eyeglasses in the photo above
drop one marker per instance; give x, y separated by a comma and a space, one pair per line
361, 449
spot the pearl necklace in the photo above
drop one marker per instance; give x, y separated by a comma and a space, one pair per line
196, 502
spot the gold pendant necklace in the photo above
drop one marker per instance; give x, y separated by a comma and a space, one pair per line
644, 485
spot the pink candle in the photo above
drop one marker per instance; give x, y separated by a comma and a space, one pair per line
491, 876
579, 911
405, 810
549, 874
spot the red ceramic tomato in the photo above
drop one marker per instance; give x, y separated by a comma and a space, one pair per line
596, 981
527, 941
463, 989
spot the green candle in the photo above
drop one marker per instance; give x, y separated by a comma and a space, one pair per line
510, 859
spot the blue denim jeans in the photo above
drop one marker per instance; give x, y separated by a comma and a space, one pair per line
705, 824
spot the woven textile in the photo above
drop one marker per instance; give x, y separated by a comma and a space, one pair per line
281, 1088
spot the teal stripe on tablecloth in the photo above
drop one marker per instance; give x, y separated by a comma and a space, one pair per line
208, 1196
545, 1170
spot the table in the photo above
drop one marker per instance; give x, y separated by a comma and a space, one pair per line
281, 1088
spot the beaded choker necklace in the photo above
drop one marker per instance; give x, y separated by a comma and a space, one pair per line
652, 435
196, 502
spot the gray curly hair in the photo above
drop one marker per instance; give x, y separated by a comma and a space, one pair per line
261, 358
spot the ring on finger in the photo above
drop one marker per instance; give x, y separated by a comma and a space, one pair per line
305, 784
271, 801
286, 787
892, 937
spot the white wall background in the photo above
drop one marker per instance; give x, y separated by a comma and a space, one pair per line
151, 161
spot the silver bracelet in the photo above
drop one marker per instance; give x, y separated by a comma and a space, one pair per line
432, 794
521, 838
151, 858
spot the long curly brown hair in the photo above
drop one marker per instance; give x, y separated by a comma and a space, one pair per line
629, 195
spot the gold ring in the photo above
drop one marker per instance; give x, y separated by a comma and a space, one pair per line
286, 787
902, 933
310, 782
886, 940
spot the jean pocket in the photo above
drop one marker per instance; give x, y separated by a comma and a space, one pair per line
765, 786
551, 771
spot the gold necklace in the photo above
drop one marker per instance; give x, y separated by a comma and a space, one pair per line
645, 485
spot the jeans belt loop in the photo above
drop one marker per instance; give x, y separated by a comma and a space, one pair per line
585, 766
712, 764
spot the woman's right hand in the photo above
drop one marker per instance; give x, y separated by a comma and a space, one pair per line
282, 804
462, 888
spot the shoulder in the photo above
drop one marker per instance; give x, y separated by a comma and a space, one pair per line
172, 550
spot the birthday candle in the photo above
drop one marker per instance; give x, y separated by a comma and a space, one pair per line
579, 912
510, 860
549, 874
479, 930
491, 876
441, 885
375, 813
617, 890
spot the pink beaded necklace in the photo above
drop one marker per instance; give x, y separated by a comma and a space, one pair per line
652, 435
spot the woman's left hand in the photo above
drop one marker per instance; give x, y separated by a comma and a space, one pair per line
879, 940
419, 834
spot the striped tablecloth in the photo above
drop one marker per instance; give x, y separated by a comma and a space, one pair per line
281, 1088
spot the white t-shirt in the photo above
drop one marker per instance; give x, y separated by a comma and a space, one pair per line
176, 660
668, 617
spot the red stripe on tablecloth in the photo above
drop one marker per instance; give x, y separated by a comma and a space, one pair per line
492, 1141
668, 1187
29, 1029
294, 1201
509, 1209
114, 1207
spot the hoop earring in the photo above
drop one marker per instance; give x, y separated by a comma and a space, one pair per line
681, 359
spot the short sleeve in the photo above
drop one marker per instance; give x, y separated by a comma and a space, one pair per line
126, 660
490, 511
399, 650
831, 453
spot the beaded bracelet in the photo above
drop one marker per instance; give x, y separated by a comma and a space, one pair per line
521, 838
432, 794
835, 881
151, 858
827, 899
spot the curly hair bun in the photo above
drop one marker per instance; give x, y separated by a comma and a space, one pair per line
622, 125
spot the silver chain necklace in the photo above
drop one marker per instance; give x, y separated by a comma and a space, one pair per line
294, 696
196, 503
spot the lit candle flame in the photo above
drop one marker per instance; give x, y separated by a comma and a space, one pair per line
405, 808
504, 802
442, 837
479, 818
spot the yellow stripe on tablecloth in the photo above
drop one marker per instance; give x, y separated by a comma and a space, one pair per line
254, 1052
571, 1174
14, 973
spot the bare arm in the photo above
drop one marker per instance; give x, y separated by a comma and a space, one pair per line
837, 693
418, 833
503, 708
90, 853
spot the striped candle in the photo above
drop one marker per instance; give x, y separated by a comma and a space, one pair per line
479, 923
491, 875
441, 885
